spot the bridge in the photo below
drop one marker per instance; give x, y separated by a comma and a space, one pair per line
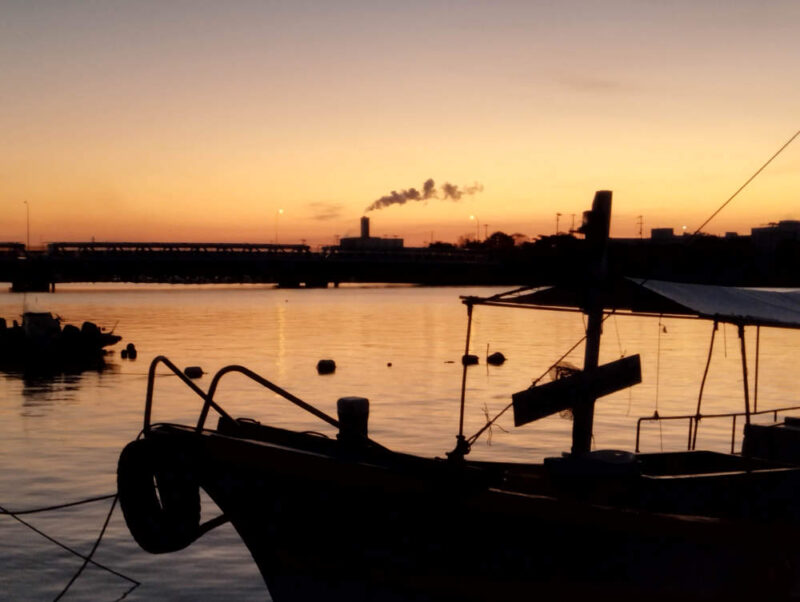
289, 265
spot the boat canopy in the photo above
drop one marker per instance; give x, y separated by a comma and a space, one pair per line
736, 305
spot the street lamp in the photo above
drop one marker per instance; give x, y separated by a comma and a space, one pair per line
277, 215
27, 225
477, 228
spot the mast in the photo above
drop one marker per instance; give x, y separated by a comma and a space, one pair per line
596, 229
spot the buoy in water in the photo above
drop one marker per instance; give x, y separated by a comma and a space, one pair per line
496, 358
193, 371
469, 360
326, 366
131, 349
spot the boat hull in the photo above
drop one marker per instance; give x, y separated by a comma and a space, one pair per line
344, 526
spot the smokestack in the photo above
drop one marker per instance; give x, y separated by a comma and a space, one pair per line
364, 227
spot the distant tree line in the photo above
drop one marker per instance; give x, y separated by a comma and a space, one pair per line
702, 258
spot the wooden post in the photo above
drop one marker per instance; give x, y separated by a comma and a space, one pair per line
596, 228
462, 447
744, 375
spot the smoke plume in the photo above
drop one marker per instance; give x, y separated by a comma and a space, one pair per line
447, 191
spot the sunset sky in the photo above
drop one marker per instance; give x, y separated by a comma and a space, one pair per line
200, 120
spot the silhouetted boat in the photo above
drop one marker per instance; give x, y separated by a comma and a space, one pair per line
347, 519
41, 344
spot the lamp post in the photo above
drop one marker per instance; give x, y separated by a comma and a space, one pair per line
27, 225
477, 228
277, 215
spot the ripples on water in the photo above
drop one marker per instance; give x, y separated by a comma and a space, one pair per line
61, 437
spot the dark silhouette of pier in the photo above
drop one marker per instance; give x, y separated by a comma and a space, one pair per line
287, 265
769, 258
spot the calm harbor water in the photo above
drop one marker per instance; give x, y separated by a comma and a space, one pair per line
398, 346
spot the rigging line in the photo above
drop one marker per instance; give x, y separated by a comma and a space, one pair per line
755, 384
694, 234
68, 549
725, 339
658, 360
619, 338
129, 590
743, 186
658, 378
489, 424
622, 354
59, 506
88, 558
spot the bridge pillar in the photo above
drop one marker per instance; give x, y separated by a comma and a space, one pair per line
32, 286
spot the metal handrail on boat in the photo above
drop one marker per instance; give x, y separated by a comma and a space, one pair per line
151, 375
694, 423
263, 382
208, 397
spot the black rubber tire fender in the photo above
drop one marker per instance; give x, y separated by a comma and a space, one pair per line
159, 494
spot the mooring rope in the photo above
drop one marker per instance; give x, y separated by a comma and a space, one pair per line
87, 559
99, 498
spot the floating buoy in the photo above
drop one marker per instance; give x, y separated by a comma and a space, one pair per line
389, 364
124, 354
496, 358
469, 360
326, 366
193, 371
131, 349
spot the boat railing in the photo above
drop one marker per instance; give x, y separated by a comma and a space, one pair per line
212, 389
208, 397
695, 419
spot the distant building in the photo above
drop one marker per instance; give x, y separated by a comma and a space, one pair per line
768, 237
662, 234
365, 242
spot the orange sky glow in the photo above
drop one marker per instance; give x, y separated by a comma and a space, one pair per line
199, 121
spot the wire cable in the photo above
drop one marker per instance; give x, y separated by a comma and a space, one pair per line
88, 559
69, 549
743, 186
58, 507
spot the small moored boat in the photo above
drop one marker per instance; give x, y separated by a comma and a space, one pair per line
40, 343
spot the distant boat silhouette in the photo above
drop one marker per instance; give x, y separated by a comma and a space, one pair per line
40, 343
